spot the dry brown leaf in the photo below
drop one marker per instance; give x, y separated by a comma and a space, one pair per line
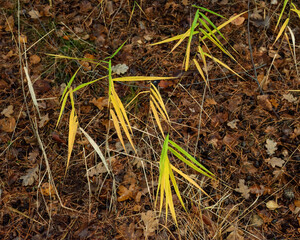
210, 101
47, 189
8, 124
272, 205
23, 38
33, 155
290, 98
125, 194
34, 14
96, 170
271, 146
275, 161
100, 103
233, 123
8, 111
150, 222
235, 233
243, 189
30, 177
9, 25
264, 102
44, 120
238, 21
34, 59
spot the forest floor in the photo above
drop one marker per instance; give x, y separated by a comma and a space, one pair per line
248, 138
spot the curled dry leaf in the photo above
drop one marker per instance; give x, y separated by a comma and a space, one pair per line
8, 111
275, 162
125, 194
96, 170
243, 189
272, 205
271, 146
30, 177
33, 155
23, 38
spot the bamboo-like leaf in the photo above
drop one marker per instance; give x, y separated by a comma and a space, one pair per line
162, 161
158, 97
172, 177
153, 100
156, 118
200, 71
189, 179
213, 25
141, 78
69, 85
62, 107
207, 10
220, 46
96, 148
88, 83
281, 14
295, 9
75, 58
200, 50
122, 121
190, 157
73, 125
179, 156
116, 52
118, 104
188, 48
282, 30
117, 127
223, 64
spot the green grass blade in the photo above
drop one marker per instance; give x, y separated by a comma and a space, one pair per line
180, 157
189, 156
62, 107
116, 52
188, 48
281, 14
88, 83
207, 10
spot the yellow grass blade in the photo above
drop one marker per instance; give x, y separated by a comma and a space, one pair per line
189, 179
141, 78
200, 71
295, 9
158, 97
117, 127
281, 30
120, 106
281, 14
200, 50
62, 107
156, 117
172, 177
153, 100
223, 64
122, 121
73, 125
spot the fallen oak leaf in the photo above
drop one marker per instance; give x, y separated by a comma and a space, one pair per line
150, 222
243, 189
275, 161
8, 111
271, 146
30, 177
125, 194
